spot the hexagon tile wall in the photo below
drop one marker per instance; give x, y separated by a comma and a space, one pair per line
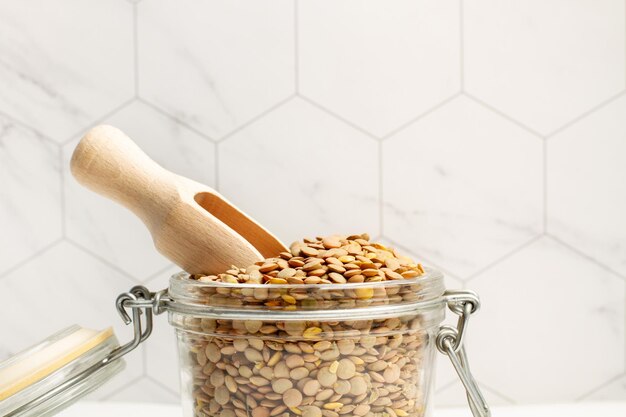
484, 137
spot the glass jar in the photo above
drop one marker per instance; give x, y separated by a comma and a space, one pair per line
44, 388
364, 349
247, 350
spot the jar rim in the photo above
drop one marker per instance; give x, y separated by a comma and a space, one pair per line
332, 301
427, 277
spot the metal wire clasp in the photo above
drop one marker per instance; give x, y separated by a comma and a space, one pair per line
141, 301
450, 342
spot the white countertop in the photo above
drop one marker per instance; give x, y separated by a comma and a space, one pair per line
606, 409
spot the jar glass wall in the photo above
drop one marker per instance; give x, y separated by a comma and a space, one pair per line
363, 349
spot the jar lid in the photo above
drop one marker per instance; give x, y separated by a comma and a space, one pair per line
56, 372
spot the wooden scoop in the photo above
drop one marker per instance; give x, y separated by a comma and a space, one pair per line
191, 224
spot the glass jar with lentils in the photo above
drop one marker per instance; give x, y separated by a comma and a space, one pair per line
337, 326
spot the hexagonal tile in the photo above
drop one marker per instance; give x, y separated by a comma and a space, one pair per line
549, 312
60, 76
376, 63
301, 172
108, 229
61, 287
586, 193
549, 62
462, 187
162, 349
30, 195
224, 62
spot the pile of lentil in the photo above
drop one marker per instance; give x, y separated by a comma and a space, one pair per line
272, 368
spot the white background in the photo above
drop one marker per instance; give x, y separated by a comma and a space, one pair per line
486, 138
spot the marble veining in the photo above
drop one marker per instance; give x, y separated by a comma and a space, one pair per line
577, 307
30, 181
463, 219
50, 75
214, 85
483, 138
316, 185
583, 213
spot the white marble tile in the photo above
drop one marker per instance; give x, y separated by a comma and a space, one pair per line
65, 63
544, 63
462, 187
379, 63
586, 185
110, 230
301, 172
30, 194
551, 317
614, 391
144, 390
216, 64
61, 287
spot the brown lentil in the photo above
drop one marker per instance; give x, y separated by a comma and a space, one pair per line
363, 368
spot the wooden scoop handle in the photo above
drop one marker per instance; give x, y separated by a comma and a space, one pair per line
111, 164
191, 224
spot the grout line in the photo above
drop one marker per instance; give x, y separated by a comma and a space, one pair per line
585, 114
99, 120
584, 255
157, 273
380, 190
545, 185
123, 387
160, 384
217, 166
376, 238
29, 258
461, 45
481, 385
174, 118
503, 115
504, 257
136, 49
256, 118
495, 392
422, 259
296, 46
101, 259
338, 117
62, 192
598, 388
420, 116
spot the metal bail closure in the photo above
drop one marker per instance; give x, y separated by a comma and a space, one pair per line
450, 342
